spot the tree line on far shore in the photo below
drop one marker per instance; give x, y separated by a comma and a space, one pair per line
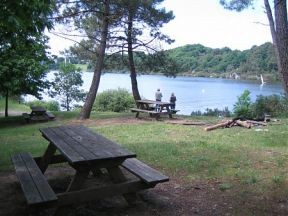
197, 60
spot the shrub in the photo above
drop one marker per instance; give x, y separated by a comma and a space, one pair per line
48, 105
242, 108
213, 112
275, 105
114, 100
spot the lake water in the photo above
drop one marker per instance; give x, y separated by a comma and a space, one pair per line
192, 93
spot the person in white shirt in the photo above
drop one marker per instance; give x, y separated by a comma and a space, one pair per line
158, 97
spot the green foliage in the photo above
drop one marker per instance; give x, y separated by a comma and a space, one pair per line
274, 105
195, 59
278, 179
66, 85
48, 105
213, 112
242, 108
14, 105
23, 59
237, 5
200, 61
114, 100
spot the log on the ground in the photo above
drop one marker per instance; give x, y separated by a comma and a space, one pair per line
185, 122
243, 124
222, 124
257, 122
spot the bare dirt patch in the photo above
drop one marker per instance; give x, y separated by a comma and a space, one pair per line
176, 197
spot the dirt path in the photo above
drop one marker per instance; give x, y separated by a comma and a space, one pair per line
173, 198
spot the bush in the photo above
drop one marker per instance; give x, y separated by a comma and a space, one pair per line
114, 100
274, 105
48, 105
242, 108
213, 112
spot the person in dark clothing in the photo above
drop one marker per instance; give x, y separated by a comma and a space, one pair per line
173, 101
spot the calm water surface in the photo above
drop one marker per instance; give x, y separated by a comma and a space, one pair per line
192, 93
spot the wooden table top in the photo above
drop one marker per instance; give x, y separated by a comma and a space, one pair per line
38, 109
153, 102
79, 144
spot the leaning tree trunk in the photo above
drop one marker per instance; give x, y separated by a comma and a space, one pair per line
133, 74
282, 39
86, 110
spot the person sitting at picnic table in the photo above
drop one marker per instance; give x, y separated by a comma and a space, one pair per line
172, 101
158, 97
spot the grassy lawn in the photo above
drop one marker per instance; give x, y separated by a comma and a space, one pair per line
236, 153
13, 106
238, 157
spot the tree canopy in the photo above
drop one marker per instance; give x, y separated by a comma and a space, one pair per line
66, 86
278, 24
23, 59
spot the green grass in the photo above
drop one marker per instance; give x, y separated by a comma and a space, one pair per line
254, 162
13, 106
234, 153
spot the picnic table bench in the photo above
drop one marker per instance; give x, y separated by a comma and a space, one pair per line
34, 184
38, 113
85, 151
145, 106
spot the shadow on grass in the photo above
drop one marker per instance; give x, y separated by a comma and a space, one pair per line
11, 121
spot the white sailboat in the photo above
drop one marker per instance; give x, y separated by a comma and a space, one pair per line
262, 80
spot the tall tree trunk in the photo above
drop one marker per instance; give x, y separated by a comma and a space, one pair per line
67, 104
86, 110
6, 103
273, 31
133, 74
282, 39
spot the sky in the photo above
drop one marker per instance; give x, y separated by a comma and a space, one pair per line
206, 22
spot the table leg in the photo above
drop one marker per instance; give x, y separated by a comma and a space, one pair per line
117, 176
169, 111
97, 172
46, 158
78, 180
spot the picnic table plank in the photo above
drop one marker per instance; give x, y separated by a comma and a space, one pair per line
79, 144
74, 143
62, 146
108, 148
144, 172
34, 185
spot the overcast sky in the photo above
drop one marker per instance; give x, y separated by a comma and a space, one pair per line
206, 22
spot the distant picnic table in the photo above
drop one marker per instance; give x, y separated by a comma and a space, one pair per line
38, 113
86, 152
148, 106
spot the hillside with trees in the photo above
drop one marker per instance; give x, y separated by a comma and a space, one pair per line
198, 60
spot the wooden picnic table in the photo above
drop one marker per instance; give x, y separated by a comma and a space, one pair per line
38, 113
38, 110
87, 152
148, 106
